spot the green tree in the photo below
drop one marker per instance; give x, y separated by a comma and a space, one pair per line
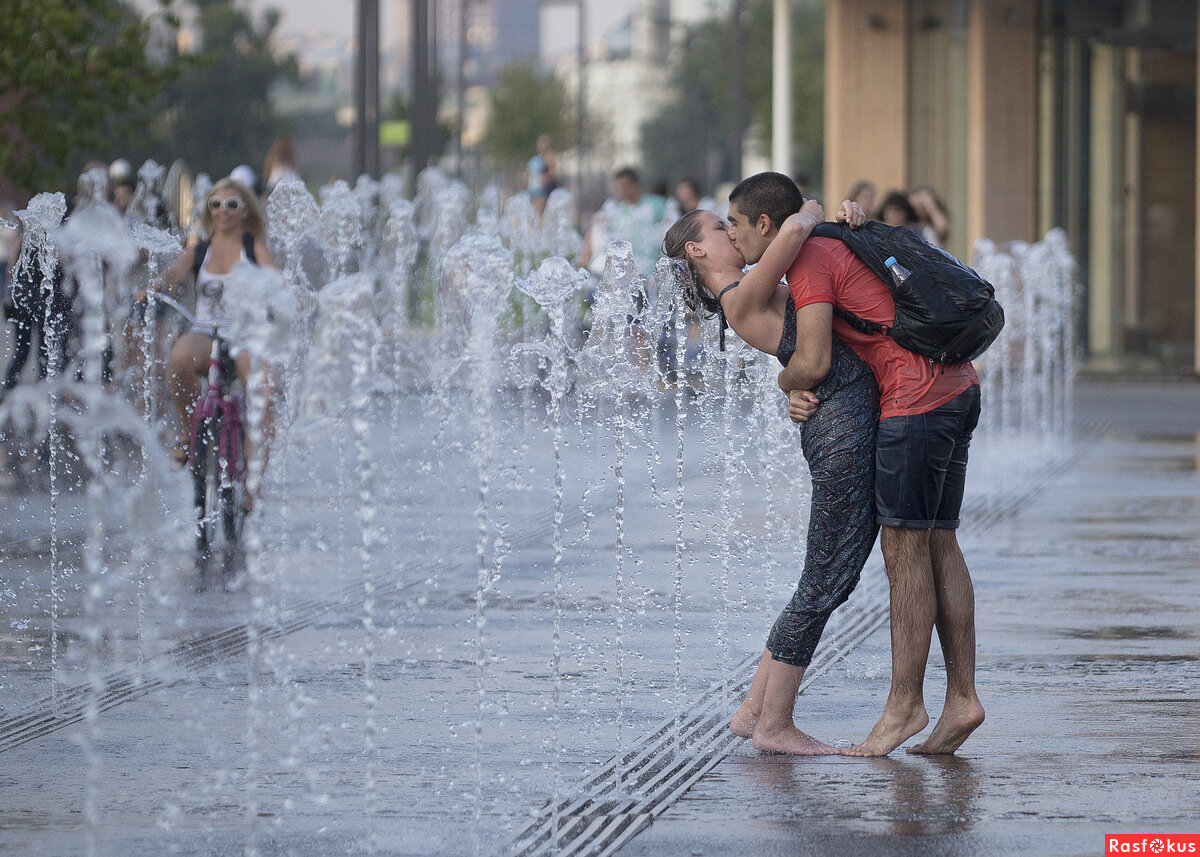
218, 113
691, 136
524, 104
70, 72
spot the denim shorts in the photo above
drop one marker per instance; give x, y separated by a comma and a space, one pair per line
921, 464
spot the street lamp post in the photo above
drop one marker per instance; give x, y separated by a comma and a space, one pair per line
463, 11
366, 94
580, 97
421, 146
581, 87
739, 87
781, 87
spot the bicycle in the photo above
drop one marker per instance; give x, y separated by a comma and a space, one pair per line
217, 449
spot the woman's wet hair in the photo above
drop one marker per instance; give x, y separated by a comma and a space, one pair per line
696, 296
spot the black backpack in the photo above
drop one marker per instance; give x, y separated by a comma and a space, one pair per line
944, 310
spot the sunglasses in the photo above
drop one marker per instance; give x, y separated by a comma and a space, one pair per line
233, 203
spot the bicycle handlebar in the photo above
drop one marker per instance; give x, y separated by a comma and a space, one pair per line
181, 309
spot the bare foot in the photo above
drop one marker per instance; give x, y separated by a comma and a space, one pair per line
956, 723
743, 720
892, 730
791, 740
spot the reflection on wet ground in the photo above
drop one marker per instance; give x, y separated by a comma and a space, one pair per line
1087, 665
1088, 668
1131, 632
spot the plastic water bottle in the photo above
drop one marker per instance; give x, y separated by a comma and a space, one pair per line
899, 272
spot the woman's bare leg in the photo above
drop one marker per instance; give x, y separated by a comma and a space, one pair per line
188, 362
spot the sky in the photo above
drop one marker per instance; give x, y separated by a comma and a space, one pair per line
336, 18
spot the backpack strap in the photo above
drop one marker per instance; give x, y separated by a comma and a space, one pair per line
198, 253
862, 245
202, 248
871, 328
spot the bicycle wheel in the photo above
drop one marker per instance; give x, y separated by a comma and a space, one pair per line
233, 493
206, 482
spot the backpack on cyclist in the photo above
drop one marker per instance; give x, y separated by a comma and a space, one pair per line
944, 310
202, 249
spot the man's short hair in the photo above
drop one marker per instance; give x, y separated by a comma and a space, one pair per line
627, 173
772, 194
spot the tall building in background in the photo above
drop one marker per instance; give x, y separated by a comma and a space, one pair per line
626, 79
499, 32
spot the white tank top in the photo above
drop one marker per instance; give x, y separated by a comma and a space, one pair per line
209, 289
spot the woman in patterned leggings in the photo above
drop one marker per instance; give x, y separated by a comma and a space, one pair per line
838, 441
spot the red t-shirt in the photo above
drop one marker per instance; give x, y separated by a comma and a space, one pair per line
827, 271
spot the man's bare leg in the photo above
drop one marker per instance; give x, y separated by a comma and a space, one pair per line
962, 712
742, 723
913, 612
775, 731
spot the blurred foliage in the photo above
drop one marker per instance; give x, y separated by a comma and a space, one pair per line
70, 72
692, 135
398, 109
217, 114
523, 104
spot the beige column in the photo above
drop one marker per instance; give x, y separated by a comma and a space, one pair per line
1105, 261
866, 95
1002, 128
1196, 333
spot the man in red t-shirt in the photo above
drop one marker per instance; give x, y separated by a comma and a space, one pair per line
927, 413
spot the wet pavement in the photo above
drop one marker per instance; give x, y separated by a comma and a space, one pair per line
1089, 667
164, 708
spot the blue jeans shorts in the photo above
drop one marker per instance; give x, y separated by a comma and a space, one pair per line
921, 464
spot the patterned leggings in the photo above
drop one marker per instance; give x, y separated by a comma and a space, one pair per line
839, 445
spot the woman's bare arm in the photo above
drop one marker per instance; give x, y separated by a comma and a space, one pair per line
758, 284
179, 269
263, 254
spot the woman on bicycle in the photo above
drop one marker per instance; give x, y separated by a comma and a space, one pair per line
236, 232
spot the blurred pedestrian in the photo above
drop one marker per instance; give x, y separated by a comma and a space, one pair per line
124, 182
896, 210
628, 215
932, 218
863, 193
38, 305
279, 164
541, 174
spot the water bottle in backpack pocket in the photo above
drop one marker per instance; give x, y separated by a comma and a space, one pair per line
944, 310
